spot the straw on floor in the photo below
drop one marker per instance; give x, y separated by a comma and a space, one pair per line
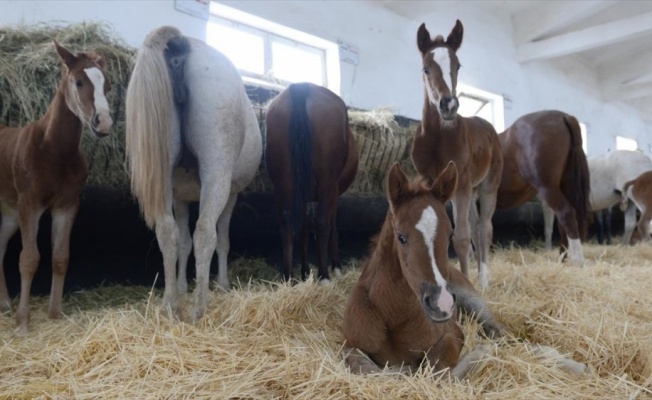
270, 340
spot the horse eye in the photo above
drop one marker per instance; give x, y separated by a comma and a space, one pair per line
426, 70
79, 83
401, 238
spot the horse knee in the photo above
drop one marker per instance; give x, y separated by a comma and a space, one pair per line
60, 266
28, 262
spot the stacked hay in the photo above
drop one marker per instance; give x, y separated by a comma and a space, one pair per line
273, 341
30, 71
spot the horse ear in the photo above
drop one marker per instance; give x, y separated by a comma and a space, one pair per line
423, 39
66, 56
446, 183
397, 184
100, 62
454, 40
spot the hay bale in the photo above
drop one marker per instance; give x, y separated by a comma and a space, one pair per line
269, 340
30, 71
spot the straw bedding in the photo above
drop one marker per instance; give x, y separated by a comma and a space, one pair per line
269, 340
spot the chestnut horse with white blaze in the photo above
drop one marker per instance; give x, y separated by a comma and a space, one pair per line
43, 168
403, 309
192, 135
472, 143
311, 156
542, 154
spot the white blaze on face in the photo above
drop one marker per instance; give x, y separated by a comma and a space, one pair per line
101, 104
442, 57
427, 225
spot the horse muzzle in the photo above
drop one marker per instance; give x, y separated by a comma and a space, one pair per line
448, 107
101, 124
438, 302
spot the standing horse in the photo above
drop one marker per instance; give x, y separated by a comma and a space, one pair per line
639, 190
192, 135
472, 143
311, 156
608, 174
403, 309
542, 153
43, 168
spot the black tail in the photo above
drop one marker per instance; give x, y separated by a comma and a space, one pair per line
575, 182
300, 139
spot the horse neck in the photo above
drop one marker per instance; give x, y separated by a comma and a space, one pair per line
62, 127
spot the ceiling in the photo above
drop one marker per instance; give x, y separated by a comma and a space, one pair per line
612, 37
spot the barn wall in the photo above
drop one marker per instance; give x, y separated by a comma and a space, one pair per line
388, 69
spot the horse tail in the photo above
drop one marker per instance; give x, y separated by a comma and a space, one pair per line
624, 199
300, 139
575, 182
149, 124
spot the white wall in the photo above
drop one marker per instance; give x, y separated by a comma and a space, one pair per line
388, 72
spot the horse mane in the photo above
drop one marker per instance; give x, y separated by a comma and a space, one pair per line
149, 110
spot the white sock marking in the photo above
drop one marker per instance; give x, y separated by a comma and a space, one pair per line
575, 250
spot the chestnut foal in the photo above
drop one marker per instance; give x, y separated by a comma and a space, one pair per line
42, 167
403, 309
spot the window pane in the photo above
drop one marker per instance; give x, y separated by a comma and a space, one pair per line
469, 106
293, 64
623, 143
246, 50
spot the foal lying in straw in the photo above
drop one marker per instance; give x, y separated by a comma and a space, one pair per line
403, 309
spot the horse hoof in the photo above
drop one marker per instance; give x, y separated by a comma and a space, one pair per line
55, 314
324, 282
223, 285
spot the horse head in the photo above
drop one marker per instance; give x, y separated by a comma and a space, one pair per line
85, 89
440, 67
422, 231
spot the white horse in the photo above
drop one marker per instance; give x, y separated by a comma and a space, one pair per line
608, 174
192, 135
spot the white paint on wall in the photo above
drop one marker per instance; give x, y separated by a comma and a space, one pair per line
388, 72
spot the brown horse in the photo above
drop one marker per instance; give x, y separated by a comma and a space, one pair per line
543, 154
472, 143
42, 167
639, 191
403, 309
311, 156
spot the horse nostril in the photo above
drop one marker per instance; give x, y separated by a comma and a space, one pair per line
96, 120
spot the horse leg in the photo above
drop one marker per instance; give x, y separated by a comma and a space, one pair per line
325, 211
462, 233
599, 221
185, 243
487, 202
167, 236
335, 252
287, 237
644, 224
469, 301
28, 216
8, 226
62, 221
607, 224
548, 222
567, 222
305, 264
630, 222
359, 362
214, 196
223, 242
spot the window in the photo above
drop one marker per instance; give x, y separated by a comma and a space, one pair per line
623, 143
269, 53
476, 102
585, 145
